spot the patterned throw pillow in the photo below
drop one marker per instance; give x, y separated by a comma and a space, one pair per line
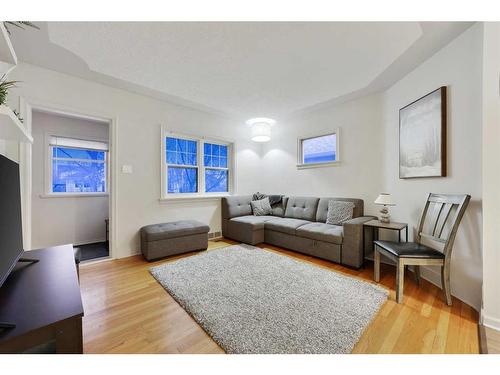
338, 212
261, 207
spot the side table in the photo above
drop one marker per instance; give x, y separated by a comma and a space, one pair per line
376, 225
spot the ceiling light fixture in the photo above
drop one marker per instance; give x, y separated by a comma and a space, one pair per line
261, 128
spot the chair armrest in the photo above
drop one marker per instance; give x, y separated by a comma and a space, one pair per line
353, 243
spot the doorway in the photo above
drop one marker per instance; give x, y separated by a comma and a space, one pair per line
70, 182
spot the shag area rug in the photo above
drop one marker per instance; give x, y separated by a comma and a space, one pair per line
251, 300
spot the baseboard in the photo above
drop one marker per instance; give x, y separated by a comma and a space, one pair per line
215, 235
490, 322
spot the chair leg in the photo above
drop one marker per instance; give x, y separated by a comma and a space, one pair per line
400, 276
376, 265
445, 283
417, 274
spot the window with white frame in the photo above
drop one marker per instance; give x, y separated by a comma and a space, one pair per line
196, 166
320, 150
77, 166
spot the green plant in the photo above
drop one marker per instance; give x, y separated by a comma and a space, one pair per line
19, 24
4, 88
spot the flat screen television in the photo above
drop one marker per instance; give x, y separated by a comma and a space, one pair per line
11, 230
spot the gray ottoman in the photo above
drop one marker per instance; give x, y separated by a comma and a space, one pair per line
162, 240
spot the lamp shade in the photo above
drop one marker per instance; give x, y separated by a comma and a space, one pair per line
385, 199
261, 129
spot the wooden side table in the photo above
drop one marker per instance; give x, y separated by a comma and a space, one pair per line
376, 225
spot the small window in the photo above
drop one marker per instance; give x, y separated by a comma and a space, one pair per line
77, 166
317, 151
196, 166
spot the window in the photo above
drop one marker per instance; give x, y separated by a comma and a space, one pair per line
182, 160
194, 166
216, 169
77, 166
318, 151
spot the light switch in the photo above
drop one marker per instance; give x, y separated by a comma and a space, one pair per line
127, 169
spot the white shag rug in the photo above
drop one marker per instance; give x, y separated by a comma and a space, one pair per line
254, 301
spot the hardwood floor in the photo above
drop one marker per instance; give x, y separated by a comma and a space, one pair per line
489, 340
127, 311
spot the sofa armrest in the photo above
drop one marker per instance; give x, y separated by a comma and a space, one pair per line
353, 243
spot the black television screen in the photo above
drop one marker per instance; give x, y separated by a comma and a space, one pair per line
11, 232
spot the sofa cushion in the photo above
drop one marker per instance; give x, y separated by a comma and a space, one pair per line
303, 208
252, 222
285, 225
156, 232
238, 205
323, 207
322, 232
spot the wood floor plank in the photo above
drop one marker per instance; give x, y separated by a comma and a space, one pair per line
127, 311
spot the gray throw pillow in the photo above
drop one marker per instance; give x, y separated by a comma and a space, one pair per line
338, 212
261, 207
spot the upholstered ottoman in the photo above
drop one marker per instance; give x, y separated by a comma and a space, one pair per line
162, 240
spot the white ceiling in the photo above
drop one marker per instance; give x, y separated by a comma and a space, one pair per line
239, 69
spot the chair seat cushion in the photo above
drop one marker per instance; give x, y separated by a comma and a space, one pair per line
409, 250
322, 232
285, 225
255, 222
174, 229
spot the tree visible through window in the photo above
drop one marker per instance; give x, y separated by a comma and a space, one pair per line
76, 170
182, 161
216, 170
194, 166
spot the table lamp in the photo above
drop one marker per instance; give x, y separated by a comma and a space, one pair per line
385, 200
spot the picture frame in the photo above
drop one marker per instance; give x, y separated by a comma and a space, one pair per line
422, 136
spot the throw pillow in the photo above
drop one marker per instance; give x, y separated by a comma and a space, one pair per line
273, 199
261, 207
338, 212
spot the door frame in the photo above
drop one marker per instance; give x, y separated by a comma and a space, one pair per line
27, 106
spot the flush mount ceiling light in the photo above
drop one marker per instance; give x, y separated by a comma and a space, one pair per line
261, 128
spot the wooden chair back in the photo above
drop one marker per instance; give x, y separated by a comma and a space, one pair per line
440, 220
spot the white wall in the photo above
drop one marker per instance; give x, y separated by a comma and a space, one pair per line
9, 149
359, 174
491, 175
370, 153
138, 123
457, 66
62, 220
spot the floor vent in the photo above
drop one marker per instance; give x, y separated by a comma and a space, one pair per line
214, 235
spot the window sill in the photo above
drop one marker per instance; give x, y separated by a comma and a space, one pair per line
73, 195
193, 198
318, 165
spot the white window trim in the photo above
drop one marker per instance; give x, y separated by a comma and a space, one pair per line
200, 140
300, 156
98, 144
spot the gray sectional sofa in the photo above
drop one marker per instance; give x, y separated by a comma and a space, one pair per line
298, 223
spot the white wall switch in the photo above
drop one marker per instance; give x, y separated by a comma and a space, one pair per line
127, 169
